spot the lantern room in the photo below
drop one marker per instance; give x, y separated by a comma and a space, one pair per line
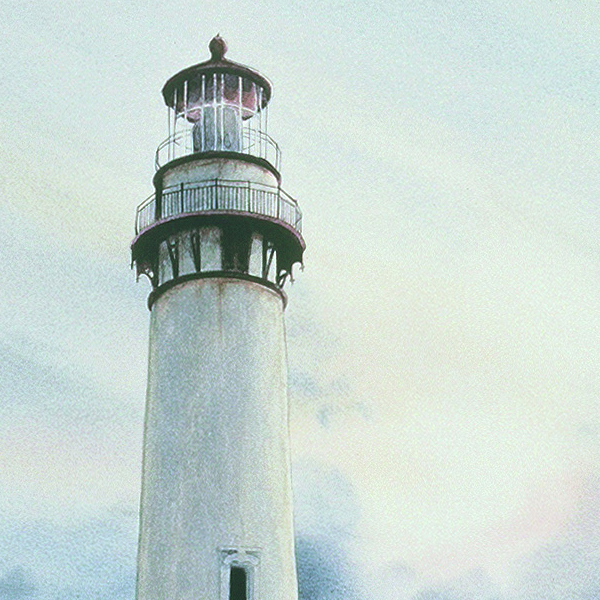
217, 106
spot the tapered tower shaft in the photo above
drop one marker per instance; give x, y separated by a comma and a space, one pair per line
217, 240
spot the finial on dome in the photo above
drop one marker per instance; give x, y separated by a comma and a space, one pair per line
217, 48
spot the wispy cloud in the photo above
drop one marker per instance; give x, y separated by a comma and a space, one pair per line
326, 518
17, 584
93, 558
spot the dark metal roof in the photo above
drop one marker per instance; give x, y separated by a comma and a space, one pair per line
216, 64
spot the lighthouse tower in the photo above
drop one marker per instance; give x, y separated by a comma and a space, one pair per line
217, 240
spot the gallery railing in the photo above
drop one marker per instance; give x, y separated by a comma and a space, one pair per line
219, 195
251, 141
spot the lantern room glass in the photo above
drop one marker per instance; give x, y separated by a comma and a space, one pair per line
218, 112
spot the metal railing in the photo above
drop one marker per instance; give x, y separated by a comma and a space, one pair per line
252, 141
219, 195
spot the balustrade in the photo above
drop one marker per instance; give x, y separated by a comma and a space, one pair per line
220, 195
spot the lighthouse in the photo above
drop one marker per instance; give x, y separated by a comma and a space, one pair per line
218, 240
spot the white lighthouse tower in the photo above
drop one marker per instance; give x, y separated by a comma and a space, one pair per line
218, 240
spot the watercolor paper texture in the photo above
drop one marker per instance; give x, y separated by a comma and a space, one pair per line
443, 339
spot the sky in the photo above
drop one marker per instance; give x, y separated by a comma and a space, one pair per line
443, 338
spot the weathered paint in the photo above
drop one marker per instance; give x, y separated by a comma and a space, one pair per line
218, 168
216, 450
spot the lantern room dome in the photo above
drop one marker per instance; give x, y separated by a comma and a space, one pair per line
216, 64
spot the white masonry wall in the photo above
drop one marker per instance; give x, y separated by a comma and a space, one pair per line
216, 484
209, 169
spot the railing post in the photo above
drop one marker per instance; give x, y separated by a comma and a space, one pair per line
215, 203
248, 204
278, 203
158, 202
181, 200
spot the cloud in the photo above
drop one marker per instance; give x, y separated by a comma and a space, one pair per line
437, 595
91, 558
17, 584
474, 585
66, 444
31, 383
567, 567
73, 355
326, 516
324, 571
325, 502
316, 383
